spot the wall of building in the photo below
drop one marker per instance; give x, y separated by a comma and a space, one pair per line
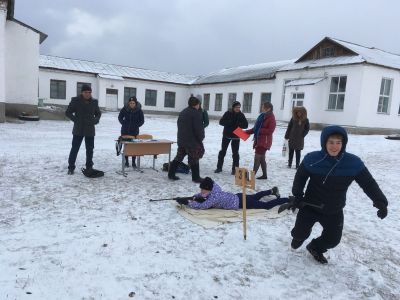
22, 68
317, 95
369, 98
3, 15
100, 86
255, 87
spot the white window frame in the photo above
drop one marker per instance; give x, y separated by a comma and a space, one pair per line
218, 102
231, 98
337, 93
385, 95
296, 99
247, 102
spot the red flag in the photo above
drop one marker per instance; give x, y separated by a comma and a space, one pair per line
241, 133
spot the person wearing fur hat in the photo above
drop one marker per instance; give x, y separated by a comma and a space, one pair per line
296, 131
328, 174
131, 118
232, 119
84, 111
212, 196
190, 140
263, 129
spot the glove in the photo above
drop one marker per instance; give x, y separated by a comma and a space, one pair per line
182, 201
294, 202
199, 199
382, 209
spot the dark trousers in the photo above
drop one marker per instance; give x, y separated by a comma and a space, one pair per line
253, 201
332, 228
76, 144
298, 154
235, 152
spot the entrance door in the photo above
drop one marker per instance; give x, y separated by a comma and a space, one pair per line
112, 99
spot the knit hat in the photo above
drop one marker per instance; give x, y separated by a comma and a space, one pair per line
236, 103
85, 88
193, 101
207, 184
133, 98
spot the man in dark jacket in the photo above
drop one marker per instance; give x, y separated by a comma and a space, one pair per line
231, 120
131, 118
190, 140
330, 172
85, 113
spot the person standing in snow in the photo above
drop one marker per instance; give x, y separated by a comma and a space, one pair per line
231, 120
296, 131
84, 111
190, 140
131, 118
212, 196
204, 115
330, 172
263, 130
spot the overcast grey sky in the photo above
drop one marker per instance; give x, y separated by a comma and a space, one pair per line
201, 36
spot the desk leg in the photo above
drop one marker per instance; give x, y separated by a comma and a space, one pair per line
169, 155
123, 162
154, 162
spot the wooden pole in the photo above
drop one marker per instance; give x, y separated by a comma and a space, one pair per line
244, 210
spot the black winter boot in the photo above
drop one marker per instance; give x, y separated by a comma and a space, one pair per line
133, 162
172, 170
318, 256
196, 173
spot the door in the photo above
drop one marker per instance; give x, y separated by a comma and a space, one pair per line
112, 99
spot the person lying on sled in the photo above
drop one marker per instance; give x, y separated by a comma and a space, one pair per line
212, 196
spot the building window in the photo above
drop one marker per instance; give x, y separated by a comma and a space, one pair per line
231, 99
58, 89
265, 97
328, 52
336, 94
297, 99
150, 98
384, 95
218, 102
247, 99
128, 92
79, 87
169, 100
206, 102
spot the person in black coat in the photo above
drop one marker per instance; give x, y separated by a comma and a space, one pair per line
190, 140
131, 118
85, 113
231, 120
330, 172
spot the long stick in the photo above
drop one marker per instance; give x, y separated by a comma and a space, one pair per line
244, 211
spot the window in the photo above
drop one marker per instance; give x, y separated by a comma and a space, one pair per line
384, 95
129, 92
336, 94
58, 89
328, 52
231, 99
169, 100
206, 102
79, 87
297, 99
150, 98
265, 97
247, 98
218, 102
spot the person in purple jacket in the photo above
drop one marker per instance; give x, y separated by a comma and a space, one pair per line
212, 196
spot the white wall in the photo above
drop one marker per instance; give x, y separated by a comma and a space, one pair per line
100, 85
21, 64
255, 87
318, 95
367, 110
3, 15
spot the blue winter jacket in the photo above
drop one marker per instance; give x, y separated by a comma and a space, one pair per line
131, 120
330, 177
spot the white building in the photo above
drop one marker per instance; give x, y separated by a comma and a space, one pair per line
19, 63
338, 82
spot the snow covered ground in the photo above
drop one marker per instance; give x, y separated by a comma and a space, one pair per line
70, 237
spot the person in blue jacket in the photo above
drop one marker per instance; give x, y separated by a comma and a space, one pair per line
329, 173
131, 118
